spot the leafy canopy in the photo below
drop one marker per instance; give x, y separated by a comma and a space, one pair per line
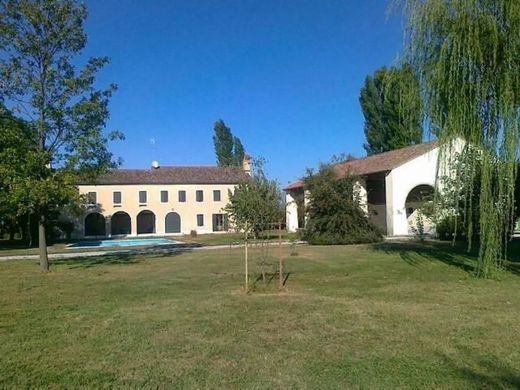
255, 204
64, 112
391, 104
465, 54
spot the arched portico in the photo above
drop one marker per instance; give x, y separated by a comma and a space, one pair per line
146, 222
95, 225
399, 182
121, 224
418, 203
172, 223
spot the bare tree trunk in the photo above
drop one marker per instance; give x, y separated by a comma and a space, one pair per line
280, 258
29, 232
42, 245
246, 266
262, 257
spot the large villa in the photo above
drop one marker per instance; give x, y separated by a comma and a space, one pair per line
159, 201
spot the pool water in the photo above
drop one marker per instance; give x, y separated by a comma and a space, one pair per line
121, 243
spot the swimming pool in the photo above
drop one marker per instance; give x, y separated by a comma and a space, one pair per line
121, 243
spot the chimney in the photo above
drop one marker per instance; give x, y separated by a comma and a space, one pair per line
246, 164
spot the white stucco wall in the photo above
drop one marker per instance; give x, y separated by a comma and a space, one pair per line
291, 213
400, 181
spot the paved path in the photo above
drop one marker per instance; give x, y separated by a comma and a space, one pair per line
144, 251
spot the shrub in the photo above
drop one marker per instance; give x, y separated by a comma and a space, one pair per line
335, 215
447, 226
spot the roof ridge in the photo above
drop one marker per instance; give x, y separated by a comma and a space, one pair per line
174, 175
379, 162
383, 154
175, 166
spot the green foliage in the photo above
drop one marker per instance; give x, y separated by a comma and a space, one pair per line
64, 114
255, 204
448, 228
238, 152
334, 212
465, 53
391, 104
228, 148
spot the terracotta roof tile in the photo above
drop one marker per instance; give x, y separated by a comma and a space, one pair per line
378, 162
174, 175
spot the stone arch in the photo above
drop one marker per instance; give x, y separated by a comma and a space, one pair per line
172, 223
95, 225
146, 222
418, 201
121, 223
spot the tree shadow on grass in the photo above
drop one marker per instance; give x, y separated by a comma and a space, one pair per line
483, 372
416, 253
121, 258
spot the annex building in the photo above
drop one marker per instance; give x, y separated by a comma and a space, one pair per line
390, 185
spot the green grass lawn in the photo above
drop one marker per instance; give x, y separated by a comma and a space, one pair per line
385, 316
232, 238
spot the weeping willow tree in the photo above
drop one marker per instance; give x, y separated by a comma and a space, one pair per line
466, 54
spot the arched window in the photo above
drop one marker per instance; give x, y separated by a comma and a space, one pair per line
145, 222
172, 223
121, 223
95, 225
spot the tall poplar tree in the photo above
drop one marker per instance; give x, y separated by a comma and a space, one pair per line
228, 148
392, 107
66, 114
238, 152
466, 56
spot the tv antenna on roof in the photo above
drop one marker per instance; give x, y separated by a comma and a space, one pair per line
153, 143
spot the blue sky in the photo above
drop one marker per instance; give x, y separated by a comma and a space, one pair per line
284, 75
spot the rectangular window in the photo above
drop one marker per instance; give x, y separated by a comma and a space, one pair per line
182, 196
164, 196
220, 222
142, 196
117, 197
92, 198
200, 220
216, 195
199, 196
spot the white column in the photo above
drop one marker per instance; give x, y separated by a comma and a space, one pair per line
160, 228
291, 213
396, 222
389, 194
108, 226
133, 222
